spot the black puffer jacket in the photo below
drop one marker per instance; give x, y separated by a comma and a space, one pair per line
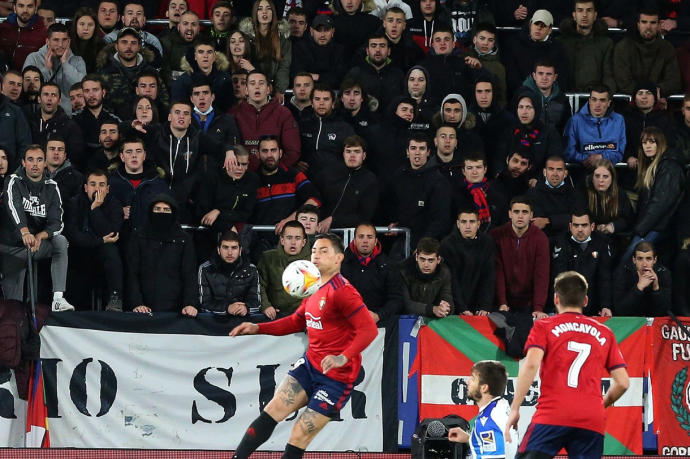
221, 284
378, 282
421, 292
234, 198
657, 206
556, 204
162, 268
630, 301
471, 262
349, 195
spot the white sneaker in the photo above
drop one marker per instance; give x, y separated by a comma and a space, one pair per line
61, 304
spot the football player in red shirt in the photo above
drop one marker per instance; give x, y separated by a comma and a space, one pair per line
339, 327
573, 350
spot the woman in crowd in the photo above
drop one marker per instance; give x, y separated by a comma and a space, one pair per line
608, 203
272, 47
660, 183
417, 79
145, 110
240, 52
85, 42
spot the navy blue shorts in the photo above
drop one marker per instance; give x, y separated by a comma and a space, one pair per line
326, 395
580, 443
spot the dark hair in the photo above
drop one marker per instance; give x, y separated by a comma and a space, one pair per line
484, 78
268, 137
114, 2
132, 139
429, 245
520, 200
259, 72
647, 11
474, 156
57, 27
335, 241
154, 108
109, 121
379, 35
302, 74
367, 224
468, 210
571, 289
93, 41
182, 102
306, 209
644, 246
75, 86
298, 11
544, 62
601, 87
55, 85
419, 136
581, 212
199, 79
485, 27
33, 146
293, 224
492, 373
46, 6
147, 73
229, 236
55, 137
32, 68
355, 141
445, 28
201, 40
323, 87
221, 4
596, 7
98, 173
239, 150
96, 78
394, 9
555, 157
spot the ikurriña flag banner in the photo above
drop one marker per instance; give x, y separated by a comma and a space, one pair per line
447, 349
670, 357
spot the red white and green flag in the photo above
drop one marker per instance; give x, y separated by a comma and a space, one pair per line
448, 348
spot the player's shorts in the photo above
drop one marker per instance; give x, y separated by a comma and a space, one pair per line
326, 395
548, 439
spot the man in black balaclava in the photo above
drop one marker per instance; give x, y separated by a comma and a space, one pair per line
162, 263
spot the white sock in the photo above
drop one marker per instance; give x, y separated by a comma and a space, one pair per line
57, 295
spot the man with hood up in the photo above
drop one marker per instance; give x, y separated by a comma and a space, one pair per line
454, 112
485, 49
491, 118
353, 24
161, 275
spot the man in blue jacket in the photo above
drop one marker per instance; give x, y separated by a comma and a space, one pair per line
596, 131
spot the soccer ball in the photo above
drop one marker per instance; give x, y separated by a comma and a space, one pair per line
301, 279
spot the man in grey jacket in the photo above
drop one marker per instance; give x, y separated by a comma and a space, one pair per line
34, 221
58, 63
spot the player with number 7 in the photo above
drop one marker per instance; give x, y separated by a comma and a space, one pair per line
572, 350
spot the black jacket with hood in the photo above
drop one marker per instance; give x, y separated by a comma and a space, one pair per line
161, 264
221, 81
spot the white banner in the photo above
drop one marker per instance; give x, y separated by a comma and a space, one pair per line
12, 412
166, 391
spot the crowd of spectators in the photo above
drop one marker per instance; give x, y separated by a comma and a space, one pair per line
138, 158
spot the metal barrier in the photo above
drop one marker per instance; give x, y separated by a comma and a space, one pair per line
348, 233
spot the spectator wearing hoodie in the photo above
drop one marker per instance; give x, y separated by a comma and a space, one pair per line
587, 47
376, 72
417, 79
448, 68
51, 121
404, 51
161, 264
58, 63
22, 33
418, 197
528, 130
427, 15
555, 108
485, 49
454, 112
353, 24
643, 55
533, 43
596, 131
491, 118
371, 272
447, 156
202, 60
319, 54
257, 116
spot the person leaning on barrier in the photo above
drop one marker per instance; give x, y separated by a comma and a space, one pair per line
272, 263
33, 221
161, 264
92, 225
371, 272
426, 282
228, 283
470, 256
